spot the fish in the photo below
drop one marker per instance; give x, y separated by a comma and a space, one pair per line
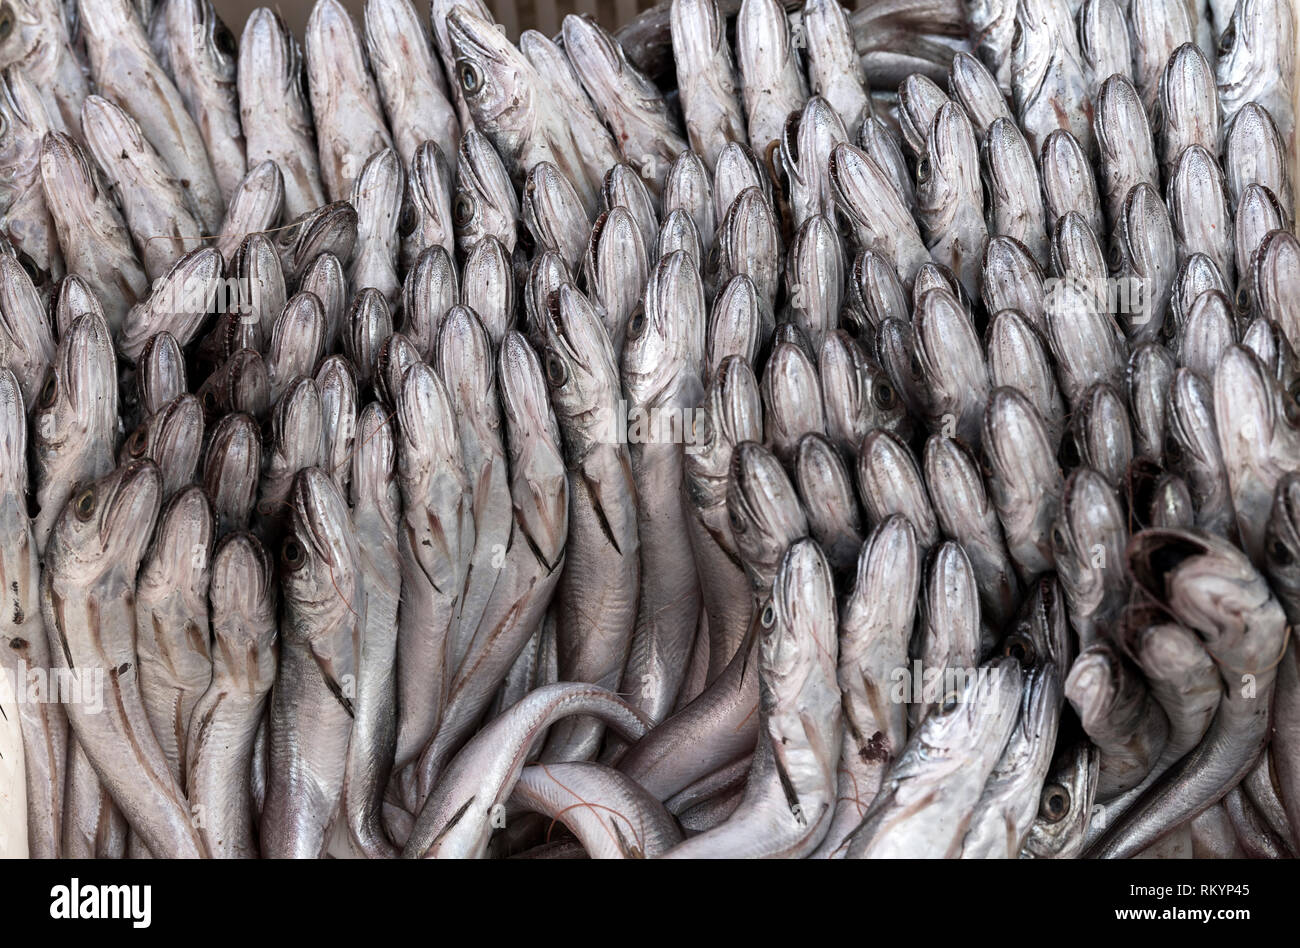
791, 785
771, 81
274, 112
95, 547
127, 74
313, 703
40, 42
350, 124
220, 744
26, 219
930, 792
203, 59
410, 83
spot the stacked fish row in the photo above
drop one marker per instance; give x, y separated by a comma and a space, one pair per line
776, 467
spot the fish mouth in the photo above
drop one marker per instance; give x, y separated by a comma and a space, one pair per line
318, 509
474, 39
131, 509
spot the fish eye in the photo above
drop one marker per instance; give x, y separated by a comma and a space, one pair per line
1242, 297
557, 373
1173, 450
224, 41
30, 266
1058, 539
737, 522
49, 391
138, 441
462, 209
923, 169
1020, 648
768, 618
1228, 37
884, 396
471, 79
1054, 803
6, 21
1115, 257
85, 505
407, 220
1278, 553
950, 701
209, 400
292, 554
636, 325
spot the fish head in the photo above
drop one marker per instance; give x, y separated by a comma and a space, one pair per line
578, 362
498, 85
764, 512
106, 525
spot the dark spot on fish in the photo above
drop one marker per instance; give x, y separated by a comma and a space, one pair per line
18, 644
874, 749
18, 616
121, 670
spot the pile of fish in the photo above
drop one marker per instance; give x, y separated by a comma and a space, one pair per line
865, 441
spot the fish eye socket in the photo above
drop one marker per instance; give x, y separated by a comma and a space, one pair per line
136, 444
768, 618
557, 373
1278, 553
1243, 297
736, 520
49, 391
224, 40
85, 505
1054, 804
636, 325
1058, 539
6, 21
462, 209
292, 554
1228, 37
1019, 648
471, 79
290, 233
884, 396
923, 169
407, 220
950, 702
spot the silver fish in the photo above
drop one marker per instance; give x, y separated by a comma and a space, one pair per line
127, 74
554, 213
949, 198
1104, 41
976, 90
231, 465
1189, 105
1065, 805
431, 288
1015, 203
377, 198
350, 124
182, 297
706, 76
792, 399
748, 242
919, 101
932, 789
877, 218
1127, 154
39, 41
807, 139
1150, 372
856, 394
219, 748
1157, 29
26, 649
426, 216
312, 703
28, 341
1256, 62
950, 360
1048, 76
74, 420
410, 83
689, 187
26, 219
202, 58
94, 239
890, 482
600, 583
253, 205
274, 112
1192, 450
1254, 153
1025, 480
1068, 181
1017, 358
791, 789
771, 81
